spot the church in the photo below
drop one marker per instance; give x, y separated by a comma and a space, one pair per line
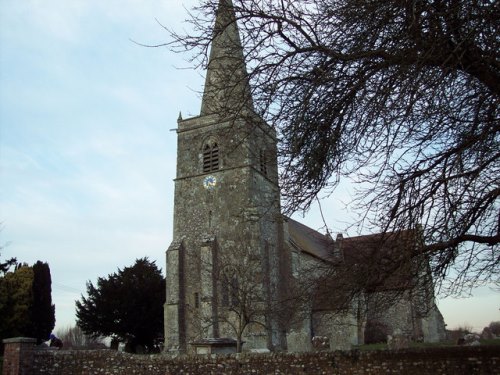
237, 268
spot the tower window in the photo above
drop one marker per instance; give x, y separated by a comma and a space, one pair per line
263, 162
225, 293
210, 157
235, 292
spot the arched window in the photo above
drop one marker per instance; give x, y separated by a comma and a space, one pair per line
210, 157
230, 288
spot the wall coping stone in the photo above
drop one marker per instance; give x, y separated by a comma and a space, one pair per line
23, 340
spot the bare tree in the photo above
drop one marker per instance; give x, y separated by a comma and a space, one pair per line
75, 338
245, 305
5, 264
243, 299
401, 97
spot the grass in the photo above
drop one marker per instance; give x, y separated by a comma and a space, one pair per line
378, 346
431, 344
495, 342
383, 346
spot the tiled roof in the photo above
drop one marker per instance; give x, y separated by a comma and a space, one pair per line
310, 241
380, 244
382, 258
355, 249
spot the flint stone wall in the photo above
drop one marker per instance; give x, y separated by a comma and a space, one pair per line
451, 360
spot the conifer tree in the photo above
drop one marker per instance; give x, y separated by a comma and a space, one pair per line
127, 306
42, 309
16, 300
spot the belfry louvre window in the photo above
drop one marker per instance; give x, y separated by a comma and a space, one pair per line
210, 157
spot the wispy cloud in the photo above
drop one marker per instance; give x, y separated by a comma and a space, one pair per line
86, 155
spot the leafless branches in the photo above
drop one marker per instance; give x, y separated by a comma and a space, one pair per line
241, 302
400, 96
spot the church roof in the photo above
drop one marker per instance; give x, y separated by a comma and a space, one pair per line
354, 249
355, 259
309, 240
390, 245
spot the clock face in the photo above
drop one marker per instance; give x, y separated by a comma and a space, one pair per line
209, 182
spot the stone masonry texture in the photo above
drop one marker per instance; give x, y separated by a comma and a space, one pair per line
446, 360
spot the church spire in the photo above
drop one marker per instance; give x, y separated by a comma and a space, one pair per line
227, 87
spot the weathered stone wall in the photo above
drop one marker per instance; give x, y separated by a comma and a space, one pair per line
453, 360
240, 214
393, 310
340, 328
400, 312
433, 327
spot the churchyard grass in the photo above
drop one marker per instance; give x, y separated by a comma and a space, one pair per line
491, 342
383, 346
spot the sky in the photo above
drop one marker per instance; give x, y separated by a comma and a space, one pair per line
87, 147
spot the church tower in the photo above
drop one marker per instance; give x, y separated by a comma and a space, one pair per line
226, 209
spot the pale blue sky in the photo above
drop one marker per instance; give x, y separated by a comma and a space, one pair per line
87, 155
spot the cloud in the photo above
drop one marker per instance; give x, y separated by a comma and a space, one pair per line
69, 21
87, 157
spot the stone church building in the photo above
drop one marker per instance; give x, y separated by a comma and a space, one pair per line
237, 268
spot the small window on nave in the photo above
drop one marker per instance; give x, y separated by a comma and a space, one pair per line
210, 157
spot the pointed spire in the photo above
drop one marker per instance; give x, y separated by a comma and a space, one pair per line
227, 87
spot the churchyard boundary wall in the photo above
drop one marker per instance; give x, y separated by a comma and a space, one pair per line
21, 357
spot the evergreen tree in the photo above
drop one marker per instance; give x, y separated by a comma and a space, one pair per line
42, 309
127, 306
26, 307
16, 298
